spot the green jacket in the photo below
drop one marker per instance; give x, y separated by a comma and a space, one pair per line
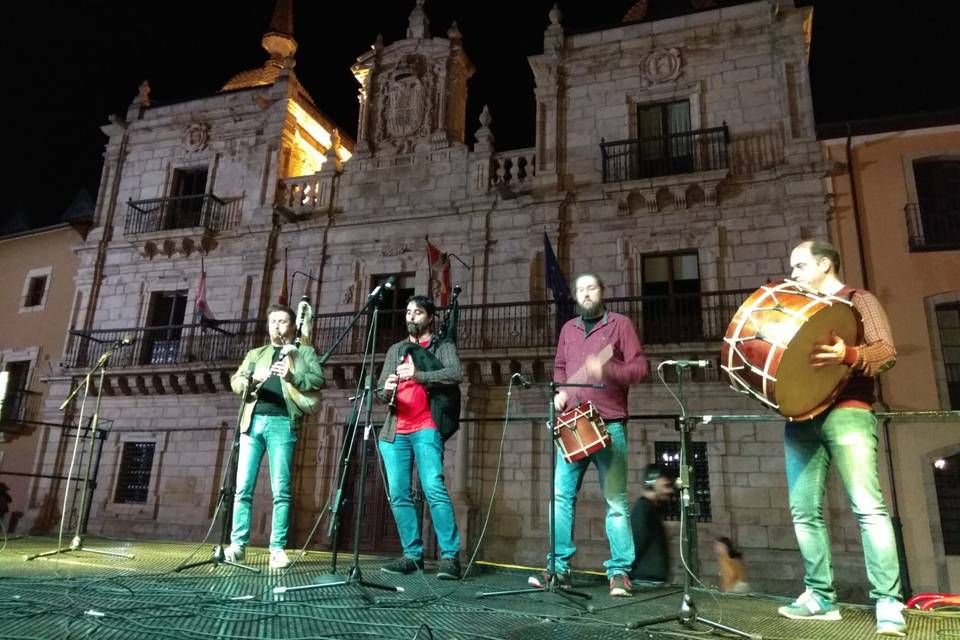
441, 378
300, 393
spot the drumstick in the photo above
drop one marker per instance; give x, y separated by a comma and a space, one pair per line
580, 375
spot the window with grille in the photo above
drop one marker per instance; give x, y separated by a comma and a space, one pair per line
133, 481
946, 476
668, 457
948, 321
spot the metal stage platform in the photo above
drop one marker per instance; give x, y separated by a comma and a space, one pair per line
78, 595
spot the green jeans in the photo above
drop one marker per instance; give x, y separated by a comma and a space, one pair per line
271, 435
848, 438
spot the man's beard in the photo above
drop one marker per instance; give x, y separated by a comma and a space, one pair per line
415, 330
592, 310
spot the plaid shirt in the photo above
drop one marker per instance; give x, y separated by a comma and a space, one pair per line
873, 355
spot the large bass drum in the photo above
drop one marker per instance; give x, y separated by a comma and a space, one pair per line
766, 349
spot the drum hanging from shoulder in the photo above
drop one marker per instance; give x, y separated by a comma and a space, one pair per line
766, 349
580, 432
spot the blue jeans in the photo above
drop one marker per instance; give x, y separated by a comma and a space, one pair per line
611, 465
425, 449
270, 434
847, 437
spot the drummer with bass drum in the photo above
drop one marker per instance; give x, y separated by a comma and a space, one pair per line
597, 346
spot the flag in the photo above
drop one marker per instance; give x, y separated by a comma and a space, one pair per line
554, 279
284, 295
438, 286
204, 315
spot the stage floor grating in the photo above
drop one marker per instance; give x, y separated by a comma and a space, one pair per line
82, 594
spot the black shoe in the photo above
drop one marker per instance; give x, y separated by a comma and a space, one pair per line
449, 569
403, 565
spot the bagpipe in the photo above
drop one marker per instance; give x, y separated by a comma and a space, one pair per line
445, 398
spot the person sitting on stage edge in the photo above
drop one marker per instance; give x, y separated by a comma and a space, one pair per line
419, 375
652, 562
598, 346
271, 418
845, 434
730, 566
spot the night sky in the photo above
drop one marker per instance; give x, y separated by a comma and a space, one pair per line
71, 64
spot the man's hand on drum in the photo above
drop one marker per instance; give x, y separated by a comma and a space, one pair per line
825, 355
593, 367
560, 400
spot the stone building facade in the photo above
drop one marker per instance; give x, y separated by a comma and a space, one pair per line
675, 158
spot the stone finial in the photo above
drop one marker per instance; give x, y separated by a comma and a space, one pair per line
555, 15
335, 139
143, 95
419, 24
377, 43
454, 32
485, 117
484, 136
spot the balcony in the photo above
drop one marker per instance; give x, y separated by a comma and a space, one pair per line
932, 226
494, 340
206, 211
225, 341
673, 154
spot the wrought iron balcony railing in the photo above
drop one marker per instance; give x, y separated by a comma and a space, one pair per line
19, 406
181, 212
661, 320
219, 341
673, 154
932, 226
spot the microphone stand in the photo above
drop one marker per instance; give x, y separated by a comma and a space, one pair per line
76, 544
687, 614
228, 490
363, 400
552, 580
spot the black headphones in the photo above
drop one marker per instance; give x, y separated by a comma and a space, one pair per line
650, 475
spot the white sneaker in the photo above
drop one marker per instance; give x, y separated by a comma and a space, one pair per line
233, 553
279, 559
890, 620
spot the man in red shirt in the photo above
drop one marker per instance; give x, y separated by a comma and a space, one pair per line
418, 377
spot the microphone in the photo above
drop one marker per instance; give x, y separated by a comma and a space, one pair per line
457, 289
526, 384
385, 285
125, 340
696, 364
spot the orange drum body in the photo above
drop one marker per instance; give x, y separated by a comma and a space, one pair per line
580, 432
766, 350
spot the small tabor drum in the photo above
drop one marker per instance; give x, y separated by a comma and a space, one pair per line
767, 346
580, 432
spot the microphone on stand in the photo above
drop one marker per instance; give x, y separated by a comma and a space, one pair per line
125, 341
383, 286
526, 384
696, 364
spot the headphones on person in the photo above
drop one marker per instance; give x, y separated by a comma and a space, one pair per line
650, 475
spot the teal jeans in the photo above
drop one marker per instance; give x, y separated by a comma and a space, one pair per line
848, 438
270, 434
424, 449
611, 464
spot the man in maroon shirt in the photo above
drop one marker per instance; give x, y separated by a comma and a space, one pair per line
598, 346
845, 435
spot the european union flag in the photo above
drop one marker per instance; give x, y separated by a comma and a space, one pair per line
555, 281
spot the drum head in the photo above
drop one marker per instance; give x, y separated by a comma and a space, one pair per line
802, 391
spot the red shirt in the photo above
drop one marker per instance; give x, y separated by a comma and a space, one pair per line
413, 405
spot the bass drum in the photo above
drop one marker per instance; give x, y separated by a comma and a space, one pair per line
766, 349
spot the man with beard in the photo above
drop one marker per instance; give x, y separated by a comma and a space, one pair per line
598, 346
281, 374
413, 433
